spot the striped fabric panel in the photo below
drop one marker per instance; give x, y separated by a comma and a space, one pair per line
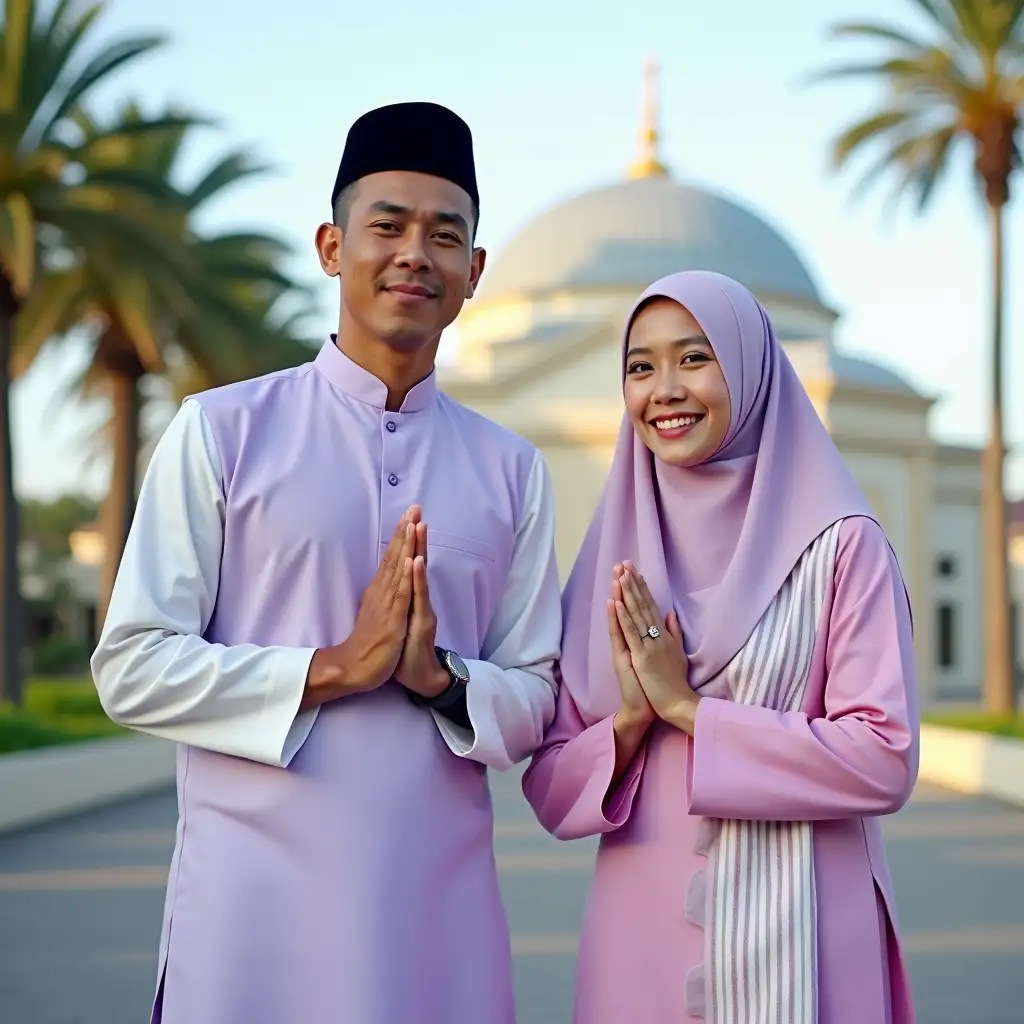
761, 939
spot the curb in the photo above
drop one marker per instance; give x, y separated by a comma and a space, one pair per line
976, 763
37, 786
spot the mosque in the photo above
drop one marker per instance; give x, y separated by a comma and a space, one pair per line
538, 351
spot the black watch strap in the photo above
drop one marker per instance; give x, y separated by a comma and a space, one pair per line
455, 692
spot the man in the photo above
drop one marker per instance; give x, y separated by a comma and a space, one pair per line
339, 596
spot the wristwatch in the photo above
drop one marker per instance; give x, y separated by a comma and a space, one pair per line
458, 676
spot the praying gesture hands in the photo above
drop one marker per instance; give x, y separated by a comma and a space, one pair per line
368, 657
418, 669
393, 635
649, 659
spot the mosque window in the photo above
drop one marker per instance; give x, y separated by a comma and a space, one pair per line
946, 566
946, 634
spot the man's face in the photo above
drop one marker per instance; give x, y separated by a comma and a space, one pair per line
405, 256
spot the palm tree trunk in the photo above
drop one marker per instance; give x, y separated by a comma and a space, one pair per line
10, 591
119, 508
998, 659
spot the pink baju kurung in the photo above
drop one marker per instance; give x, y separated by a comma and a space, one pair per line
847, 756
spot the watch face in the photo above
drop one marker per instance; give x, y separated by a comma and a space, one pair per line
457, 666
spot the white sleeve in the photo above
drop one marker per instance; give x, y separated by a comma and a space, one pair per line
511, 693
152, 667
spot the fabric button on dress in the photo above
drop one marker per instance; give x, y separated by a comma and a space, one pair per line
392, 479
391, 426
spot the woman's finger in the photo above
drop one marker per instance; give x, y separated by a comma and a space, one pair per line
619, 645
648, 606
634, 641
634, 605
672, 625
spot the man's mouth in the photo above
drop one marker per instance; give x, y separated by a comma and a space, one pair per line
418, 291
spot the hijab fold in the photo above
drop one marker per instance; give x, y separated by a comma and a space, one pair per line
715, 541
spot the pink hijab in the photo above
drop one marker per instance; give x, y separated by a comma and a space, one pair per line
714, 541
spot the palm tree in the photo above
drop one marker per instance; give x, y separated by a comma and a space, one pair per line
48, 205
962, 83
213, 301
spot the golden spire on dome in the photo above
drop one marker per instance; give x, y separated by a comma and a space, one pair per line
647, 164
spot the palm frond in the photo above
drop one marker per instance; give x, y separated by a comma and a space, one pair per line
18, 243
878, 32
226, 172
914, 159
123, 141
926, 165
115, 56
51, 51
132, 308
933, 72
58, 302
89, 217
941, 13
989, 26
865, 132
17, 31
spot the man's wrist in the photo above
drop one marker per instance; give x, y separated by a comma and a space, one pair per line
328, 678
439, 680
429, 682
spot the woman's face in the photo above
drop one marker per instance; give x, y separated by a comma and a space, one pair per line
674, 389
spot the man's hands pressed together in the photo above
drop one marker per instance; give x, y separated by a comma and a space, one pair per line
394, 631
418, 669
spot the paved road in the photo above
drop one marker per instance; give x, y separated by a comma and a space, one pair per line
80, 906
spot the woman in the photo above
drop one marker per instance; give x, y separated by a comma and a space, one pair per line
734, 753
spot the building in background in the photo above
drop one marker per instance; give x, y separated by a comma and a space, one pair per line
538, 351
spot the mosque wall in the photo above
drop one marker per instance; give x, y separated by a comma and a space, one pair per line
488, 322
578, 473
956, 577
795, 321
884, 479
878, 418
894, 485
956, 590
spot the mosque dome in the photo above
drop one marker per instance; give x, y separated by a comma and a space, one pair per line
586, 259
633, 232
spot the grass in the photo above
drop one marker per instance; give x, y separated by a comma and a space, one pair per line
55, 711
1011, 726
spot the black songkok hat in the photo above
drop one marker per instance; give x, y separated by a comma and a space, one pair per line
423, 137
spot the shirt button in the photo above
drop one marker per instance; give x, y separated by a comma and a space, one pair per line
392, 479
391, 426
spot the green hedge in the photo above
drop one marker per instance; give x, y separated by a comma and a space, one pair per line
980, 721
58, 654
55, 711
56, 697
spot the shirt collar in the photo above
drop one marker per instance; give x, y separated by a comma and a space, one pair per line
351, 379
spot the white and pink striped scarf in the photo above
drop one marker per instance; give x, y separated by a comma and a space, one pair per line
757, 900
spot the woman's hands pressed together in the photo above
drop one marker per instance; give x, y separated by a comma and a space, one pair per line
656, 666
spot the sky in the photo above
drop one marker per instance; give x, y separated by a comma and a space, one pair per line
552, 93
